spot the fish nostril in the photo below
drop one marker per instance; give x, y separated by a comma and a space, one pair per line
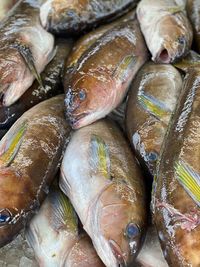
5, 216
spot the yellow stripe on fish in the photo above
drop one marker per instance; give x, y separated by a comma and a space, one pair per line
10, 147
100, 161
152, 105
189, 179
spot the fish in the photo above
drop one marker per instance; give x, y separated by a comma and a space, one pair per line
52, 85
101, 177
25, 49
175, 195
55, 237
152, 100
193, 12
98, 81
5, 6
151, 253
30, 154
75, 17
166, 28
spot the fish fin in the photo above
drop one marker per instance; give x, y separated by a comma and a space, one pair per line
175, 9
29, 59
63, 212
9, 148
154, 106
99, 158
127, 63
189, 179
192, 60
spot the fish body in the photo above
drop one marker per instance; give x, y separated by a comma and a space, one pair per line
30, 153
53, 234
106, 188
74, 17
193, 11
25, 49
52, 85
176, 190
98, 82
167, 30
5, 6
151, 102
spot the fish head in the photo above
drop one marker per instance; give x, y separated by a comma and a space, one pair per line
177, 38
13, 69
119, 225
88, 100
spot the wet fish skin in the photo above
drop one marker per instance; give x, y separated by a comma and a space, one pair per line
75, 17
54, 235
5, 6
167, 30
193, 11
175, 207
105, 179
52, 85
30, 153
25, 49
99, 81
152, 100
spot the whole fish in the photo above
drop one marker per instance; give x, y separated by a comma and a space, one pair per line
176, 196
151, 254
193, 11
151, 102
55, 237
166, 29
75, 16
52, 85
5, 6
30, 153
99, 80
103, 182
25, 49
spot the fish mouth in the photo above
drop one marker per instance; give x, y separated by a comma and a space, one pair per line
75, 120
118, 254
163, 56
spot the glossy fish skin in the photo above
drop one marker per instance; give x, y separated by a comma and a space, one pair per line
105, 179
25, 49
99, 81
5, 6
193, 11
52, 85
75, 17
151, 102
30, 153
176, 211
166, 29
53, 234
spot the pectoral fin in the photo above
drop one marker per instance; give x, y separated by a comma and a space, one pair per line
122, 70
189, 179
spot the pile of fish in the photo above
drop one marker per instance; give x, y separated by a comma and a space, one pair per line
100, 133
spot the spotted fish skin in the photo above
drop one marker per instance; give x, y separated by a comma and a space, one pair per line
193, 12
74, 17
100, 79
30, 153
151, 101
175, 202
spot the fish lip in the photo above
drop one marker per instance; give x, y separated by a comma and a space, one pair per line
118, 254
75, 120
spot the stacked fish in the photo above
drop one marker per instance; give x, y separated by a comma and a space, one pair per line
100, 156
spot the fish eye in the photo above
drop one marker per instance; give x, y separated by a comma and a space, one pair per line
82, 94
132, 231
152, 156
181, 40
5, 216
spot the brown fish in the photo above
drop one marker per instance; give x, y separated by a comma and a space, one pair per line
166, 29
30, 154
99, 80
151, 102
5, 6
75, 16
25, 49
